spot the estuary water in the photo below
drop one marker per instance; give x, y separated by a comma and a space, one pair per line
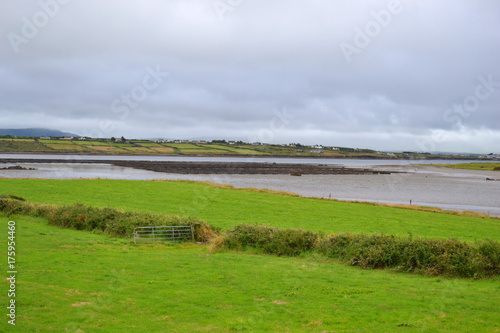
421, 185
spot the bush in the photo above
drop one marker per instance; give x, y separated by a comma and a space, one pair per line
289, 242
448, 257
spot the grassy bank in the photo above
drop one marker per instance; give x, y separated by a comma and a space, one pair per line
73, 281
224, 207
471, 166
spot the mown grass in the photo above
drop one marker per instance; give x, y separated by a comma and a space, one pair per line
225, 207
73, 281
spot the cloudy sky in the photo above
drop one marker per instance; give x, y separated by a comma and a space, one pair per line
387, 75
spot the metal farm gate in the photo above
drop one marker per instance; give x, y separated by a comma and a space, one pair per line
164, 233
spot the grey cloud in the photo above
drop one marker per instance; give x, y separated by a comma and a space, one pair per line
228, 77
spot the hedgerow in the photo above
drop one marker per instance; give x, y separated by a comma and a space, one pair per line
106, 220
434, 257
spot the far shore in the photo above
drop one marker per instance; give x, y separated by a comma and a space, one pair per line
319, 156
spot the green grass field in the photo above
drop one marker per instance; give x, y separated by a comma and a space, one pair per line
224, 207
23, 145
73, 281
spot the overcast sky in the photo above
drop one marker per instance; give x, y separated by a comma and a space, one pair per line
386, 75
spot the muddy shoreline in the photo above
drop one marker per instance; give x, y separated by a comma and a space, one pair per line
233, 168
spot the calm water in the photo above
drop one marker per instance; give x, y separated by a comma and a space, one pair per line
445, 188
346, 162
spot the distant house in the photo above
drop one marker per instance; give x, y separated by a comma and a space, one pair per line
232, 142
319, 151
67, 138
82, 138
45, 138
202, 142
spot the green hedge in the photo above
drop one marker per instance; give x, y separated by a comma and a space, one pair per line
448, 257
435, 257
106, 220
287, 242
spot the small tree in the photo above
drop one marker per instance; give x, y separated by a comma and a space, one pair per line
113, 139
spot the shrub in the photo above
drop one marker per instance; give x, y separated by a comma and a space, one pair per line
448, 257
289, 242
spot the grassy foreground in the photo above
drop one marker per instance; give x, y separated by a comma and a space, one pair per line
73, 281
223, 207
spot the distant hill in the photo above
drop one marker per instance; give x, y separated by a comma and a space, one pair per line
34, 132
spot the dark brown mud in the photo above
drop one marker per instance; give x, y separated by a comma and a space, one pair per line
219, 167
